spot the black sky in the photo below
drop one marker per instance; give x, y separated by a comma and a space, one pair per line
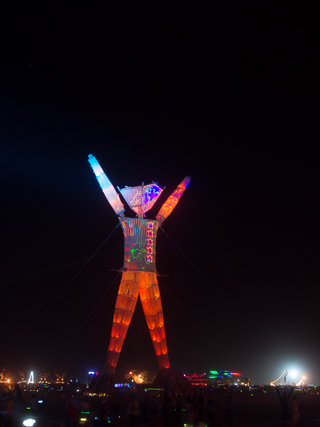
228, 95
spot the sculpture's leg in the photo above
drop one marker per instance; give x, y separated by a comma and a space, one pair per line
152, 307
125, 305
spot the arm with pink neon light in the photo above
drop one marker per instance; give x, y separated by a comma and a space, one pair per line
172, 200
106, 186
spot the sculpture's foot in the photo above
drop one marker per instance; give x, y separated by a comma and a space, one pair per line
172, 381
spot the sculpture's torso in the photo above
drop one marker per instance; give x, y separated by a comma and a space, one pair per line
139, 244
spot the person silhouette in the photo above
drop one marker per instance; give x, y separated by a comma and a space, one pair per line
284, 399
295, 409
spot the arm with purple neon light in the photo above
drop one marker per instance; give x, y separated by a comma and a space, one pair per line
172, 200
106, 186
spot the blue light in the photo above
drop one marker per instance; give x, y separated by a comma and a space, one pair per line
152, 193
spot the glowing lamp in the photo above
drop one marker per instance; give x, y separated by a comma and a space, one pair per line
29, 422
293, 373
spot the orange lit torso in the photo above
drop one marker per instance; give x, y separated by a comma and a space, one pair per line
139, 244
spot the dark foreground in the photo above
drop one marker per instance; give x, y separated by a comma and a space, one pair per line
259, 408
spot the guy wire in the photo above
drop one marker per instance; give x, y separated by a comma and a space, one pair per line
17, 342
211, 287
86, 319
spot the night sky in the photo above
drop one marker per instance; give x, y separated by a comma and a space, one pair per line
229, 96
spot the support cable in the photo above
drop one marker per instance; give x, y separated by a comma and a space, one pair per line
203, 278
17, 342
184, 311
213, 289
86, 319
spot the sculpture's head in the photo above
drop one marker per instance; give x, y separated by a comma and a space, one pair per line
141, 198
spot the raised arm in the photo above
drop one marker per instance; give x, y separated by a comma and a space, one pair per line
172, 200
106, 186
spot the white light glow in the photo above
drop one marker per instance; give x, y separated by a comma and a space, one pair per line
29, 422
293, 373
31, 378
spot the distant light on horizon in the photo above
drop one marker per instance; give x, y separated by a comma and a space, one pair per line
29, 422
31, 378
293, 373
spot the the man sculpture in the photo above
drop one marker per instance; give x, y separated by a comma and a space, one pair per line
139, 275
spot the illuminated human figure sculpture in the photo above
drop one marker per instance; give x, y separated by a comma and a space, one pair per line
139, 275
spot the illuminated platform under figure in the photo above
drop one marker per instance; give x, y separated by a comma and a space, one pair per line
139, 275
